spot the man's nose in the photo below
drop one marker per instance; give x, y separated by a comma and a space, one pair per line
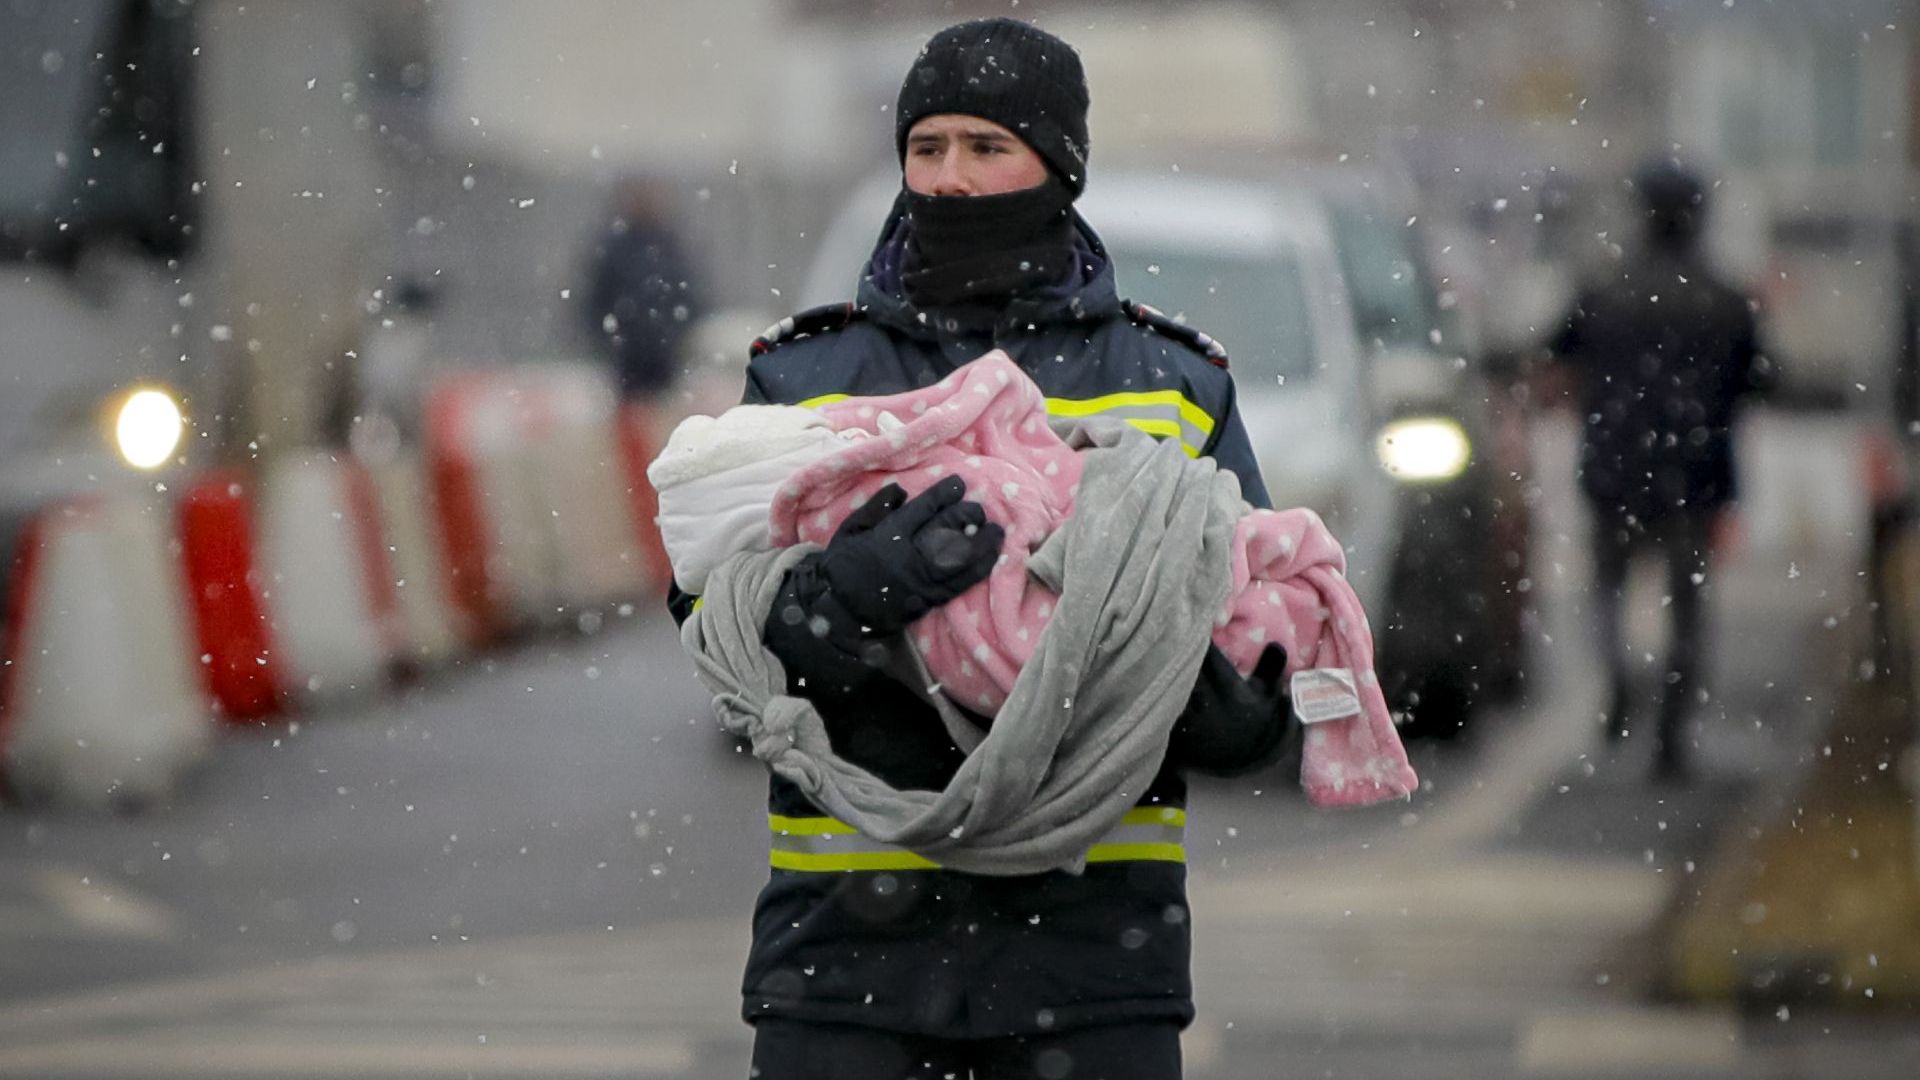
951, 179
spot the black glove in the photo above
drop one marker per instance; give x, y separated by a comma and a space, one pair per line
890, 562
1233, 725
894, 559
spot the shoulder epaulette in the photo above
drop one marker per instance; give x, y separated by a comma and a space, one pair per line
1154, 319
821, 320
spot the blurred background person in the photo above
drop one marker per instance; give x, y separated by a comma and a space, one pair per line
642, 295
393, 371
1663, 354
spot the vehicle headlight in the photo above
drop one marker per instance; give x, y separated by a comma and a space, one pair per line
1423, 449
148, 428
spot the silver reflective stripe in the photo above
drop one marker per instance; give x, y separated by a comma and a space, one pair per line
825, 845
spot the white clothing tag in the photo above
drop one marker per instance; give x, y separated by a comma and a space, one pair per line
1321, 694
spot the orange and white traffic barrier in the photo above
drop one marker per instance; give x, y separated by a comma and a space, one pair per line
431, 627
328, 589
456, 479
237, 656
498, 551
572, 414
101, 704
1804, 500
640, 442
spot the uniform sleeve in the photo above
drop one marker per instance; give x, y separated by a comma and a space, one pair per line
754, 393
824, 656
1231, 725
1233, 450
680, 603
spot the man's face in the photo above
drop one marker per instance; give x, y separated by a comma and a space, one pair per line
952, 154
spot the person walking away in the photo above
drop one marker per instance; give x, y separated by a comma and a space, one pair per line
1664, 352
869, 960
642, 297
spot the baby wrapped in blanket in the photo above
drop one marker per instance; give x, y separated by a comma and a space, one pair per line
763, 476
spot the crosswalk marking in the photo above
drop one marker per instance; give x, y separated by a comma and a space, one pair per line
216, 1055
25, 922
70, 903
1629, 1042
1504, 893
105, 911
639, 1000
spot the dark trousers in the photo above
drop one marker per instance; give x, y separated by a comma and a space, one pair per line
794, 1050
1683, 542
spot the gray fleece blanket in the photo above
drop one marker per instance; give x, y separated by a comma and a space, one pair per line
1142, 569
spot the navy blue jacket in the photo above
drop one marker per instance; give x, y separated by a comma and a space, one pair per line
852, 931
642, 299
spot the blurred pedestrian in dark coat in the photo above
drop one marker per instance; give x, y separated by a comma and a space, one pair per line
643, 295
1664, 353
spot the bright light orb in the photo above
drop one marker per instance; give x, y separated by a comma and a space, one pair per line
1424, 449
149, 428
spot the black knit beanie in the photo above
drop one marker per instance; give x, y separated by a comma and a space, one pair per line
1012, 73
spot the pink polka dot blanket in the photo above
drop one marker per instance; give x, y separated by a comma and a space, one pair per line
987, 423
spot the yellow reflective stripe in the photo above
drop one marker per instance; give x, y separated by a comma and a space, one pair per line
1179, 418
810, 826
1191, 413
1165, 414
1155, 815
840, 862
1137, 853
827, 845
1145, 834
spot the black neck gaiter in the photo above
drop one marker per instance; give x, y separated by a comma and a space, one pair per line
986, 249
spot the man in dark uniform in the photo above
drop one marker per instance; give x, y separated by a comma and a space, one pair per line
869, 960
1665, 352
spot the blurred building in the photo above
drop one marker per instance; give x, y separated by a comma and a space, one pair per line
1516, 120
347, 151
